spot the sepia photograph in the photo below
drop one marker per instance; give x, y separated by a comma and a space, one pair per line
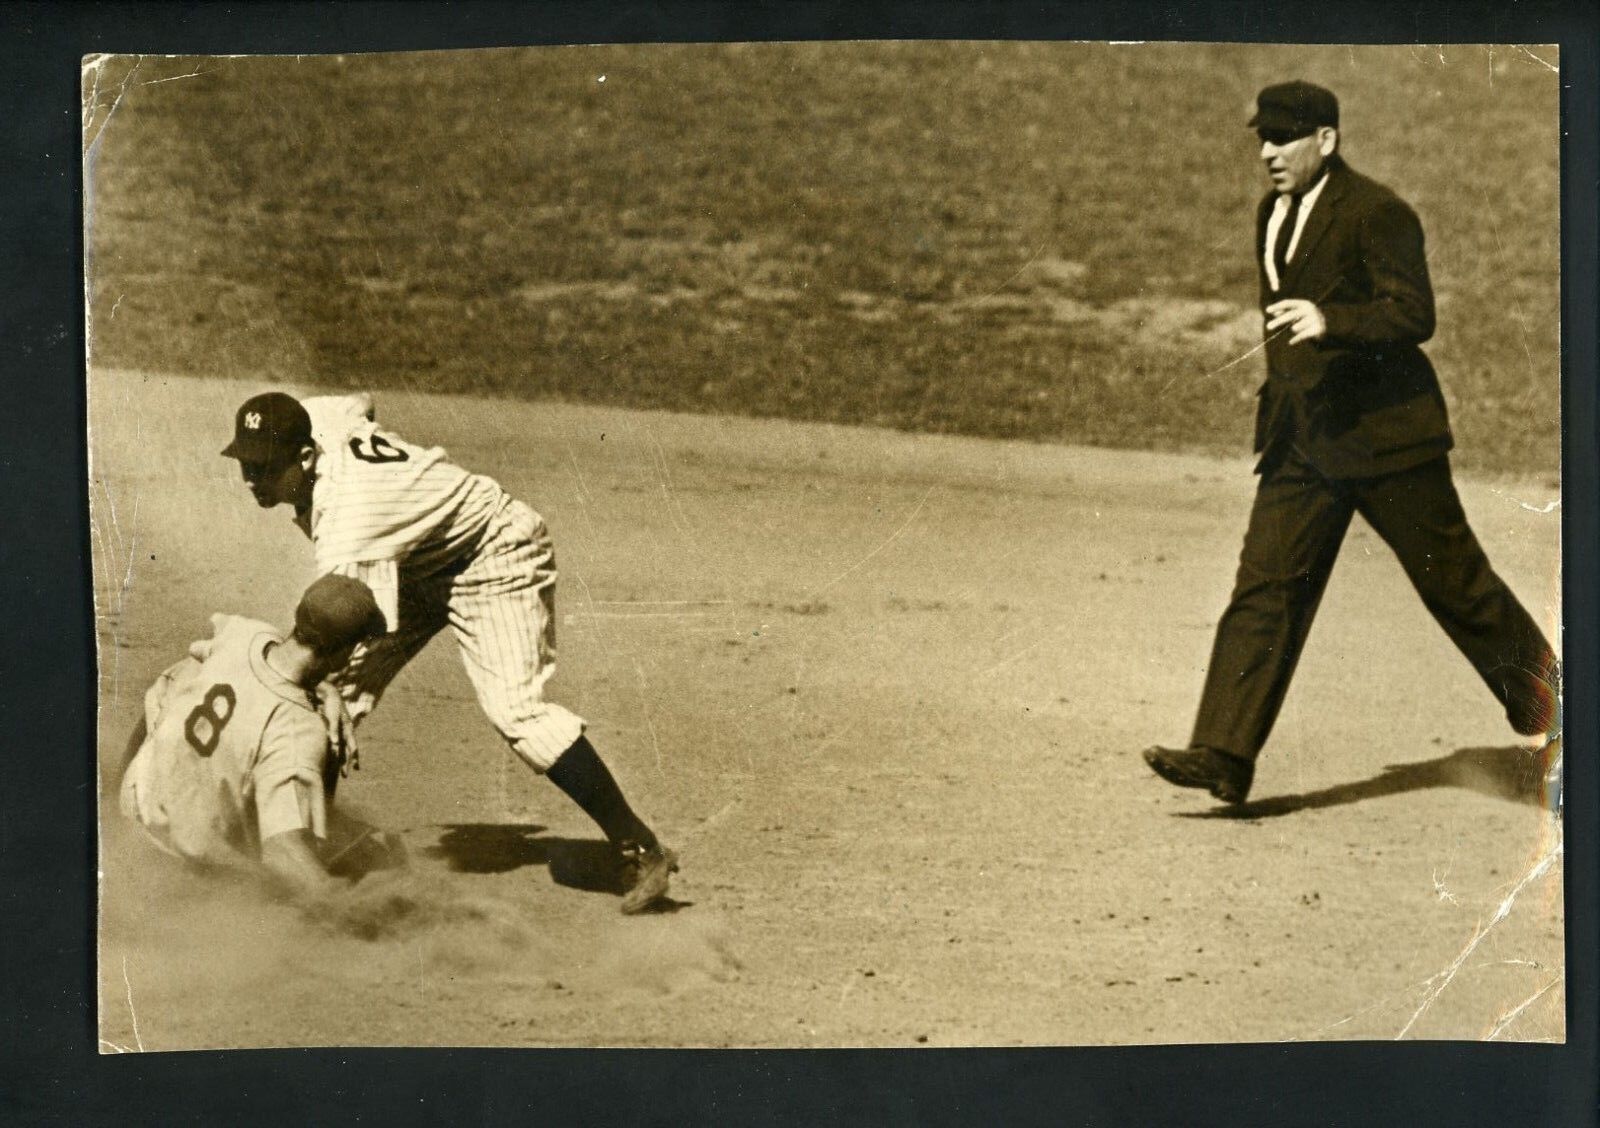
827, 544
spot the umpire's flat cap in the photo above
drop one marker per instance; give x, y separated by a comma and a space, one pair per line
1295, 107
271, 427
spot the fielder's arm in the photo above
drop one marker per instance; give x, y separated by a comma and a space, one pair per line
382, 578
341, 728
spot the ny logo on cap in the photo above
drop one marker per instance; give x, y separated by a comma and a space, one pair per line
252, 420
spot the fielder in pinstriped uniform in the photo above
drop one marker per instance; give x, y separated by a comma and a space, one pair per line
438, 547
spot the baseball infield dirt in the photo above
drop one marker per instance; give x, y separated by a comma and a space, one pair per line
887, 694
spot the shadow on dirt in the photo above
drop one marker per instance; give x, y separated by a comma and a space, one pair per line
1515, 773
586, 864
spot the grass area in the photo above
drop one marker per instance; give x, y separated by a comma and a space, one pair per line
1049, 241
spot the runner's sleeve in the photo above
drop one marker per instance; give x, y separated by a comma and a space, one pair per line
288, 774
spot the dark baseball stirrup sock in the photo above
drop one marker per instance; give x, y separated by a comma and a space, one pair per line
581, 773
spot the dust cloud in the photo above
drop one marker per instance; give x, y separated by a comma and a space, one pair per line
228, 954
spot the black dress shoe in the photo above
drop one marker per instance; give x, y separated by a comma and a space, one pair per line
1541, 715
1226, 777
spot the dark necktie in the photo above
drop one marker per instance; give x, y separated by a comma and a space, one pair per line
1280, 249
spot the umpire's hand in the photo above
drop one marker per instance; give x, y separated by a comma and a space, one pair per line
1304, 319
341, 729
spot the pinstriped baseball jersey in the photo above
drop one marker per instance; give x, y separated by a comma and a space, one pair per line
382, 505
438, 546
233, 754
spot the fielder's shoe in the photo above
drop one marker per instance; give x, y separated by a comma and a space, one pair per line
646, 870
1226, 777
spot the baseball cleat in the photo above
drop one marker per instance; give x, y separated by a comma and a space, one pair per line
645, 874
1227, 777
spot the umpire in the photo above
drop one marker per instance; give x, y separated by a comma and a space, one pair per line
1350, 420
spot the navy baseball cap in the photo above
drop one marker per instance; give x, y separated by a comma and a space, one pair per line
271, 427
337, 611
1295, 107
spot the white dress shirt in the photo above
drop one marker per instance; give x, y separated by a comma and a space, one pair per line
1280, 212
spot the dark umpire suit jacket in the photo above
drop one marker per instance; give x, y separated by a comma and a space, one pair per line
1363, 400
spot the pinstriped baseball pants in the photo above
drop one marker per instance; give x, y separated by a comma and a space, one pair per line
501, 608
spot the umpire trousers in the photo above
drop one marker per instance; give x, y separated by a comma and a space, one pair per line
1296, 526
